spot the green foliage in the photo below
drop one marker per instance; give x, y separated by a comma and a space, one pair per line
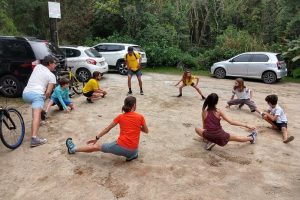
296, 72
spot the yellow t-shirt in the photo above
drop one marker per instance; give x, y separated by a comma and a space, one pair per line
189, 81
91, 86
133, 62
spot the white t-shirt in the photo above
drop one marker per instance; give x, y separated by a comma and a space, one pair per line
277, 111
245, 94
39, 80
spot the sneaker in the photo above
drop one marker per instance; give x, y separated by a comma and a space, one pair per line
132, 158
203, 97
141, 92
89, 100
209, 146
180, 95
43, 115
70, 146
37, 141
253, 135
129, 92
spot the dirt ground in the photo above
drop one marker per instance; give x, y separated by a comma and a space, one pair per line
172, 162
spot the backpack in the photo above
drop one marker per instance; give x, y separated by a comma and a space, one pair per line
133, 54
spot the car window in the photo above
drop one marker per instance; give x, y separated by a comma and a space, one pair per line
71, 53
260, 58
14, 49
138, 48
101, 48
92, 53
242, 58
115, 48
42, 49
279, 57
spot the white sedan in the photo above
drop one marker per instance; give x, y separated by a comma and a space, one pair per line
84, 61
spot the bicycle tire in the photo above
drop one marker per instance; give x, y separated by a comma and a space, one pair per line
77, 86
13, 138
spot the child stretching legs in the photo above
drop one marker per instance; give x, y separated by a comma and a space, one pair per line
212, 129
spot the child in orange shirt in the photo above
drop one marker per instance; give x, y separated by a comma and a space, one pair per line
131, 125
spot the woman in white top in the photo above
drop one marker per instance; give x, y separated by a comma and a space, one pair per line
39, 87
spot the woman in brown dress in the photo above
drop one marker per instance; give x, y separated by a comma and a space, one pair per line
212, 129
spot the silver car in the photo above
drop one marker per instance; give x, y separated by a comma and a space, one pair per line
267, 66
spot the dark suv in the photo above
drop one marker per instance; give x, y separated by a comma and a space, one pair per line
18, 57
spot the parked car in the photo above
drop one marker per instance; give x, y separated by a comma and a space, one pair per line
18, 57
267, 66
84, 60
114, 55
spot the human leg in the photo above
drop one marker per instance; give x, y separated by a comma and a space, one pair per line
269, 120
129, 81
285, 137
85, 149
49, 105
199, 91
234, 102
237, 138
199, 131
140, 84
180, 90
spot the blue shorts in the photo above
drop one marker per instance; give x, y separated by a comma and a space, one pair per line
137, 72
56, 101
37, 100
115, 149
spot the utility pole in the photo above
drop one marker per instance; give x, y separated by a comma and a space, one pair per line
54, 14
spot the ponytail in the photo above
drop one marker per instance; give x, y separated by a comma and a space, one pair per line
129, 103
210, 102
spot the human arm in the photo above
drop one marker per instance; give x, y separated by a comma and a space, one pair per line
251, 94
197, 80
235, 123
49, 90
144, 128
179, 82
102, 133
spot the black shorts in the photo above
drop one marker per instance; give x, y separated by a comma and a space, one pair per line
88, 94
280, 125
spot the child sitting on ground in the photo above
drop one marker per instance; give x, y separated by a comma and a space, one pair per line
244, 96
188, 80
92, 89
276, 117
212, 129
60, 96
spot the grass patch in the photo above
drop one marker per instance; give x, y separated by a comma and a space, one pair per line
174, 70
291, 79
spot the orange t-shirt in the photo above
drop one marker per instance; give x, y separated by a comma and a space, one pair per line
130, 129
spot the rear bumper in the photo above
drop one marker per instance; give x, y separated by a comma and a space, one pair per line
281, 73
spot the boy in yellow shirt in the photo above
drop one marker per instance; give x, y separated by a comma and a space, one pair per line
92, 89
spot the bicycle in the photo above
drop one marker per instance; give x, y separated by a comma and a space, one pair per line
74, 84
12, 127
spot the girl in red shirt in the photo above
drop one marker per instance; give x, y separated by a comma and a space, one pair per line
131, 124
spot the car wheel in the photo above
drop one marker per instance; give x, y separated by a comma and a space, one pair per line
83, 74
220, 73
122, 68
12, 87
269, 77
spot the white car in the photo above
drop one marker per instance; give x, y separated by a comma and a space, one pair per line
114, 54
267, 66
84, 61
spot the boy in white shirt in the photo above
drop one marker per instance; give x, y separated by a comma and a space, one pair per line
276, 117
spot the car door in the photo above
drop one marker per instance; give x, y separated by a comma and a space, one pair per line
238, 65
258, 64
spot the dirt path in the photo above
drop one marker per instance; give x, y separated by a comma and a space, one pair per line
172, 163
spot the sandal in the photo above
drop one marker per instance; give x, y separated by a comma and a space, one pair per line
289, 139
209, 146
70, 145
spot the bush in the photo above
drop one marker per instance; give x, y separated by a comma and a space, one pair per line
296, 73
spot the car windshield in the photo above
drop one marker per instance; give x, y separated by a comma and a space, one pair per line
93, 53
138, 48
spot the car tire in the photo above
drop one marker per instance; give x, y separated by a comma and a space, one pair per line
220, 73
12, 87
83, 74
121, 67
269, 77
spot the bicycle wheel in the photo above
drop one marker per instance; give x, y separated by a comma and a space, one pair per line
12, 128
77, 86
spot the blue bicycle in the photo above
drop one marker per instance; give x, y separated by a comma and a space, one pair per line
12, 127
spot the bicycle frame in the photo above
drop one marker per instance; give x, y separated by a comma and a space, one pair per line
3, 112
